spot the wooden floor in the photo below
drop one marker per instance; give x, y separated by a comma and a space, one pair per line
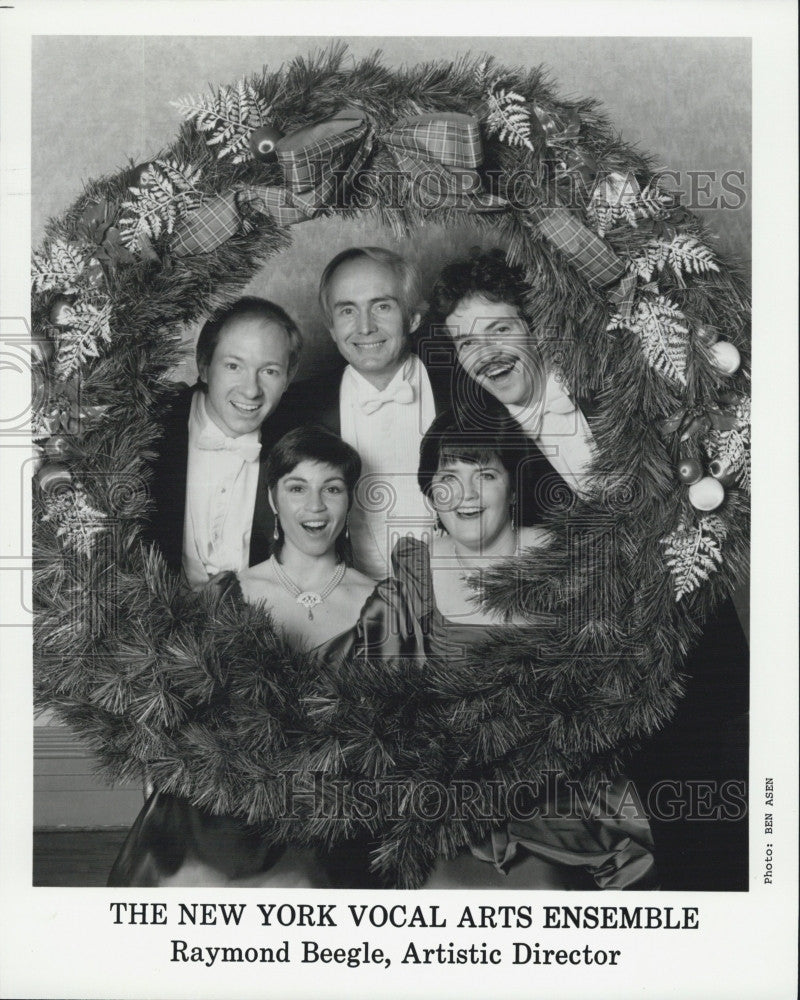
80, 858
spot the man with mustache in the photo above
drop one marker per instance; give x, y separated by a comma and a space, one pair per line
383, 401
212, 512
478, 303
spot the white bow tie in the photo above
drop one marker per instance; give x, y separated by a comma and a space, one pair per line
402, 393
249, 449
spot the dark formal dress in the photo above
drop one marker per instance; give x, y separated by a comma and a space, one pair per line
173, 842
693, 774
612, 851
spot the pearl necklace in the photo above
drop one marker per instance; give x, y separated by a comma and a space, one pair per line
308, 599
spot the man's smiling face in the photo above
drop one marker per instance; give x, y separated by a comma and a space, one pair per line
493, 345
247, 375
369, 320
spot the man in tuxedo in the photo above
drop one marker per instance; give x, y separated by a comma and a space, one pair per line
384, 399
211, 509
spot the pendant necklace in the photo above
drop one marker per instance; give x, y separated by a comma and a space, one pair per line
309, 599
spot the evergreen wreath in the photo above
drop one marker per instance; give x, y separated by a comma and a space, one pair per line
200, 690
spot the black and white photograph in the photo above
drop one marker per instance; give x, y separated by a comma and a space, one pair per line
380, 528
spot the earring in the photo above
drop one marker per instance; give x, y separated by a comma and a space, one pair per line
275, 532
513, 515
347, 527
439, 528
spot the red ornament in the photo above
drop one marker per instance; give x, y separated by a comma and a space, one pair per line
94, 215
54, 475
57, 447
690, 471
722, 472
137, 173
262, 142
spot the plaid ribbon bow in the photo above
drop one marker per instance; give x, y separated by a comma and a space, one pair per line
437, 153
591, 256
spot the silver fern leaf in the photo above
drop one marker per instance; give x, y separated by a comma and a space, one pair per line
76, 521
732, 447
167, 191
663, 333
507, 115
694, 553
59, 266
685, 254
80, 341
229, 115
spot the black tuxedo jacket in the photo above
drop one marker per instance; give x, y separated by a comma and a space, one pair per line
168, 487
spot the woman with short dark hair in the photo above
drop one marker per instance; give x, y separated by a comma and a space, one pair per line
324, 608
469, 478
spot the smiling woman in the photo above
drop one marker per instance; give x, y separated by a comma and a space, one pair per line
471, 481
308, 582
310, 592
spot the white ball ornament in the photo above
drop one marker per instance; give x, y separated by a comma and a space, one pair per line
61, 312
725, 357
708, 494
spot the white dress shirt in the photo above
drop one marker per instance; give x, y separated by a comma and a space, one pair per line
386, 429
559, 428
221, 486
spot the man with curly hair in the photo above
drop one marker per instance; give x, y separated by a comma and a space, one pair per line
479, 302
